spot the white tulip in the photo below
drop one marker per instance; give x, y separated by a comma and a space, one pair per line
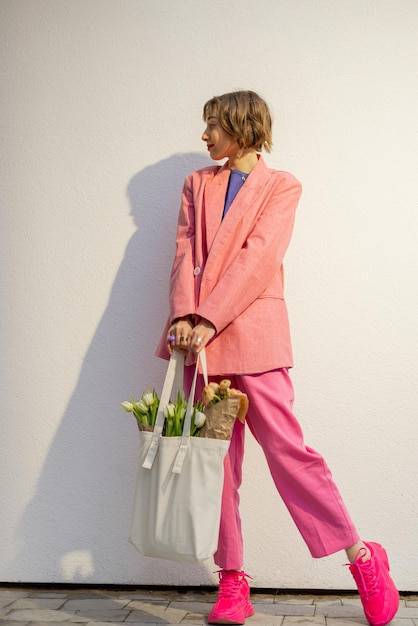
199, 419
169, 410
128, 406
141, 406
148, 398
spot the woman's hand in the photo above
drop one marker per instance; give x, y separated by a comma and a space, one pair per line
201, 334
179, 334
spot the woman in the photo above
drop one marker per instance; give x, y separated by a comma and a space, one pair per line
226, 295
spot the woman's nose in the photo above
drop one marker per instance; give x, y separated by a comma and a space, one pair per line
205, 136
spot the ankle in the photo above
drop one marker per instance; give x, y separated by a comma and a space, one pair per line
358, 551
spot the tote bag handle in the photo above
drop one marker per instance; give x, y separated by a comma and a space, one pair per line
172, 378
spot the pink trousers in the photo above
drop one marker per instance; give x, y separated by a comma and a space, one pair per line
300, 474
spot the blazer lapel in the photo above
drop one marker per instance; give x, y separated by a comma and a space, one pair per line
215, 192
246, 198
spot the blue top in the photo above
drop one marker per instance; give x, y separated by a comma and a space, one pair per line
236, 181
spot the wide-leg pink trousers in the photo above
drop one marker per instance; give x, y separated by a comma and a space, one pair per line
300, 474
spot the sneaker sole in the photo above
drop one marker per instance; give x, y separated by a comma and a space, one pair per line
230, 620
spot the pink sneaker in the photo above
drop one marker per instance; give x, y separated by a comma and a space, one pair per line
233, 604
378, 593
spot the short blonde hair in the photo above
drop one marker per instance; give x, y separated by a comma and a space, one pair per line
245, 116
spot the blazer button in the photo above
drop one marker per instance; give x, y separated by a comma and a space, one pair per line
196, 271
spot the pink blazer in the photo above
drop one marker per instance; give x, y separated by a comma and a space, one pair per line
230, 271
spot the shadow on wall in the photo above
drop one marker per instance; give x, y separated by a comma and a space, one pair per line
75, 529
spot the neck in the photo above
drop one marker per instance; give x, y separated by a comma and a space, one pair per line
244, 160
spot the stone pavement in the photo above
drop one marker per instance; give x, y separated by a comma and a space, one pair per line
21, 606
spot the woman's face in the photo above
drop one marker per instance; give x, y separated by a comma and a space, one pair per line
220, 144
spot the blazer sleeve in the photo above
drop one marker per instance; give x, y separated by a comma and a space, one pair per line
181, 292
252, 270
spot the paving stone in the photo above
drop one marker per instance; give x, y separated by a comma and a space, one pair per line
105, 615
327, 601
260, 598
37, 603
259, 618
142, 605
119, 624
39, 623
346, 621
141, 595
87, 594
6, 602
145, 618
355, 601
289, 599
91, 604
407, 611
13, 593
345, 610
192, 596
37, 615
150, 595
318, 620
159, 613
40, 593
200, 608
194, 618
283, 609
104, 624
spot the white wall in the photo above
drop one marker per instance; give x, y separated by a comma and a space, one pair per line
101, 120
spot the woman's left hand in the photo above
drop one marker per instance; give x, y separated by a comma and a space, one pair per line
201, 334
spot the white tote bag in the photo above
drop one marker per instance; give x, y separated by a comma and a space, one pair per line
179, 483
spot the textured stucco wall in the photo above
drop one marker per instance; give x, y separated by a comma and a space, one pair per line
101, 120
